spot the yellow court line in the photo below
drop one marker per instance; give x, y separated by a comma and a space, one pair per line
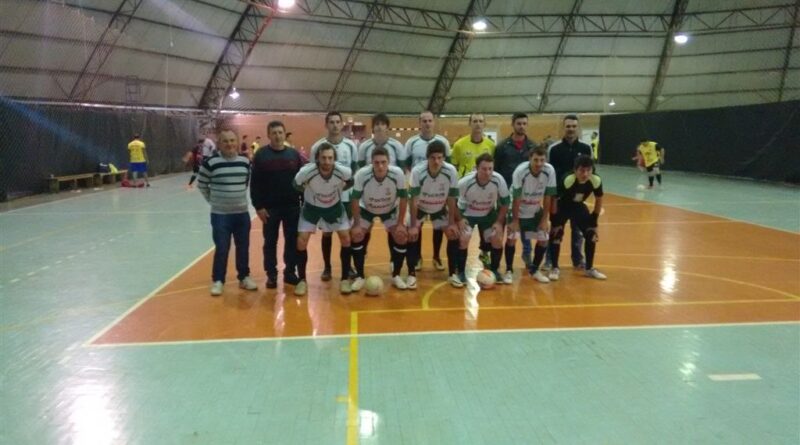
427, 297
585, 306
352, 387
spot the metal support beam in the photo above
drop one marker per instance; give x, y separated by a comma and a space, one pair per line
666, 52
252, 23
562, 43
458, 49
355, 51
103, 49
787, 57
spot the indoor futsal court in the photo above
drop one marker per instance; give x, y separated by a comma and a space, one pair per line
110, 332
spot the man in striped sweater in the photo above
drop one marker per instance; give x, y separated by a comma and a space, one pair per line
223, 180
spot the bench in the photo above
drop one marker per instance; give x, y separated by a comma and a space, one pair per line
84, 180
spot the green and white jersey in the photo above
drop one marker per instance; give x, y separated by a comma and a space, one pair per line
346, 152
476, 200
417, 148
397, 153
432, 191
531, 189
379, 197
320, 191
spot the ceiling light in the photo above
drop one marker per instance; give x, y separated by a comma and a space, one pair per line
479, 25
234, 94
612, 103
681, 39
283, 5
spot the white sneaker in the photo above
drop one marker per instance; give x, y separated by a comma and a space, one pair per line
554, 274
508, 277
596, 274
437, 264
455, 281
419, 265
248, 284
399, 282
411, 282
358, 284
216, 289
539, 276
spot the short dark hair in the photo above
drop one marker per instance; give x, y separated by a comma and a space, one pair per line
485, 157
325, 146
516, 116
643, 140
379, 151
274, 124
288, 134
583, 161
436, 146
380, 118
540, 150
136, 136
333, 113
570, 117
258, 137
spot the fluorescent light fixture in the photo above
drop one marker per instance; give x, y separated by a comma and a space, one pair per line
681, 39
234, 94
612, 103
283, 5
479, 25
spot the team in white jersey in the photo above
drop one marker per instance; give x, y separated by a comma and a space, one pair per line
433, 192
533, 186
346, 156
381, 138
483, 200
322, 184
379, 191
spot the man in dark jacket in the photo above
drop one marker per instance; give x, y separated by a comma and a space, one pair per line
277, 202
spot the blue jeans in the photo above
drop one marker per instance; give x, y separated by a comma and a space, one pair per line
222, 228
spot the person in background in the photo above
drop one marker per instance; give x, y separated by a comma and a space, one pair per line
255, 145
196, 160
138, 160
594, 143
650, 155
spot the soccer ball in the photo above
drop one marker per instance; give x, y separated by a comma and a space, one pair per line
373, 286
485, 279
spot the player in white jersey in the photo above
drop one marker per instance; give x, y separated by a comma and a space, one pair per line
380, 138
346, 156
483, 200
379, 191
322, 183
417, 152
533, 187
433, 193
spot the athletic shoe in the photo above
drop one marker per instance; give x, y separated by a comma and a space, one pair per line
497, 278
399, 283
485, 259
580, 266
554, 274
300, 289
539, 276
216, 289
526, 258
508, 277
455, 280
437, 264
345, 287
290, 278
326, 275
545, 267
248, 284
272, 282
411, 282
358, 284
463, 277
596, 274
353, 274
419, 265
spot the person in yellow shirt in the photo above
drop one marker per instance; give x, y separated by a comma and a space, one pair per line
256, 145
468, 148
138, 159
595, 144
651, 156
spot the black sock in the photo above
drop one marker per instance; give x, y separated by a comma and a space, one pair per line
398, 254
302, 259
412, 254
327, 245
344, 256
658, 178
497, 254
510, 251
555, 251
589, 249
462, 260
452, 256
650, 179
538, 256
438, 236
191, 180
358, 250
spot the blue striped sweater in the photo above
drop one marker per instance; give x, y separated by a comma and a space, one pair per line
223, 182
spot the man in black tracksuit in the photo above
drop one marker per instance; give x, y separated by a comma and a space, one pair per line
508, 154
562, 157
277, 202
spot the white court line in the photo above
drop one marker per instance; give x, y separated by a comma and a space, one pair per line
733, 377
403, 334
149, 296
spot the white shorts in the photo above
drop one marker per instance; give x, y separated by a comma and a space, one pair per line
438, 223
466, 234
366, 224
306, 226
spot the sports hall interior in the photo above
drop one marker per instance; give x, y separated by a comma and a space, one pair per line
108, 334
